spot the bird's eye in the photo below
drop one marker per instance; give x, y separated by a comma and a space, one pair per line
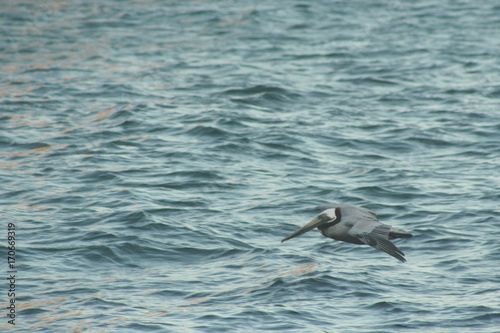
325, 217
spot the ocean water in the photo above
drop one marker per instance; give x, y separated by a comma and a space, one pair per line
154, 153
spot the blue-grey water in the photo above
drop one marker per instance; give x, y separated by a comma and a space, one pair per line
154, 153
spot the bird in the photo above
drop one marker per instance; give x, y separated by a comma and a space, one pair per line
357, 225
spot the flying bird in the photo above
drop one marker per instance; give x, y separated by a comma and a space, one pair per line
355, 225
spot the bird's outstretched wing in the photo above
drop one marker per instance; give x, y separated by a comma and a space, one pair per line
376, 235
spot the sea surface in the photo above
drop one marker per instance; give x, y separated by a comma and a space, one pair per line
154, 153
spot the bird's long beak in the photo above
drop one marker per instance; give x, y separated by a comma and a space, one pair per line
310, 226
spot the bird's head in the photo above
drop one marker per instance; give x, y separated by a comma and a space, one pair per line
325, 217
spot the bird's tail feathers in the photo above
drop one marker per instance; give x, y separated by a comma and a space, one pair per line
398, 233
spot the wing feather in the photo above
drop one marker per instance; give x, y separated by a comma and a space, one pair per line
383, 245
377, 235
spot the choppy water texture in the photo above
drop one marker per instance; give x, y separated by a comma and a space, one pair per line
154, 154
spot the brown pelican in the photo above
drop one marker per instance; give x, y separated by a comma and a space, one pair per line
355, 225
